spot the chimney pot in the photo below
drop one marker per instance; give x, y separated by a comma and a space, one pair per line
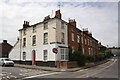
24, 22
47, 17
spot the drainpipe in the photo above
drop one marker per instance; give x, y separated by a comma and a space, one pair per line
20, 44
55, 44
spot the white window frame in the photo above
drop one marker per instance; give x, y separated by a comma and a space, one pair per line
45, 55
78, 38
72, 36
24, 42
88, 42
66, 54
24, 31
73, 49
85, 41
89, 51
45, 38
62, 37
62, 52
34, 29
24, 56
82, 39
62, 25
83, 51
34, 40
46, 25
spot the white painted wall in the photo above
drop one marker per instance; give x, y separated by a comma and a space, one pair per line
54, 35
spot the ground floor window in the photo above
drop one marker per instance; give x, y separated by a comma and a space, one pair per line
89, 51
64, 53
73, 49
24, 55
45, 55
83, 51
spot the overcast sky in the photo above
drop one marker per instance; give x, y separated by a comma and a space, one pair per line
101, 18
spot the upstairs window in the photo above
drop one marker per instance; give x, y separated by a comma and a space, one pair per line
72, 29
83, 51
78, 39
73, 49
34, 40
85, 41
62, 37
24, 42
46, 25
34, 29
62, 25
88, 42
82, 39
72, 36
24, 32
89, 51
45, 38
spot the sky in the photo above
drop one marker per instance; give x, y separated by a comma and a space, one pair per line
99, 16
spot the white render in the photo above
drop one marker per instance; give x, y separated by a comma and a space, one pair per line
54, 35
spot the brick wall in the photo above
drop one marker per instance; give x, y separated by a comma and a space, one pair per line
65, 64
5, 48
91, 44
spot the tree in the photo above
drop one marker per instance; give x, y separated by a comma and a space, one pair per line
70, 54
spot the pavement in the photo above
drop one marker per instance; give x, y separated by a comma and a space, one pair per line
54, 69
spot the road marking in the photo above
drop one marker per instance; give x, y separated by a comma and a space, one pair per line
41, 75
83, 70
91, 74
91, 67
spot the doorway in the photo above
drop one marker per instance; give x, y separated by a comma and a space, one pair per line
33, 57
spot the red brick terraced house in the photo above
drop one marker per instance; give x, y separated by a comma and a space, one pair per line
75, 36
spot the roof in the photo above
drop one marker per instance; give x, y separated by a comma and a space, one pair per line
43, 22
61, 20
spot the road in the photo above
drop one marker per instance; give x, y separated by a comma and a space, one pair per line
107, 70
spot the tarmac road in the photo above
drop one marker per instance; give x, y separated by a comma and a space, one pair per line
106, 70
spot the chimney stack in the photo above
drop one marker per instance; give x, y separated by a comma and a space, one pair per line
72, 22
26, 24
4, 41
47, 17
85, 30
58, 14
90, 33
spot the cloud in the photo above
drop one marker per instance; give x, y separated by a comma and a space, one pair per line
99, 17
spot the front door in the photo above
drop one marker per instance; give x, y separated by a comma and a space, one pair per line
34, 57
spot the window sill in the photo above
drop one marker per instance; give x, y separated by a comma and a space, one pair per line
34, 32
24, 46
45, 61
45, 43
33, 44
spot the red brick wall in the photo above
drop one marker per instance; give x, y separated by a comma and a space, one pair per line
93, 47
76, 33
65, 64
5, 49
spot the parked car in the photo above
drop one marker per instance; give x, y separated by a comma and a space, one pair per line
6, 62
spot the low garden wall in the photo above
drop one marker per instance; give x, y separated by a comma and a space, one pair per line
66, 64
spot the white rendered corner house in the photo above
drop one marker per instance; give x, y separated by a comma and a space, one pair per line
37, 42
